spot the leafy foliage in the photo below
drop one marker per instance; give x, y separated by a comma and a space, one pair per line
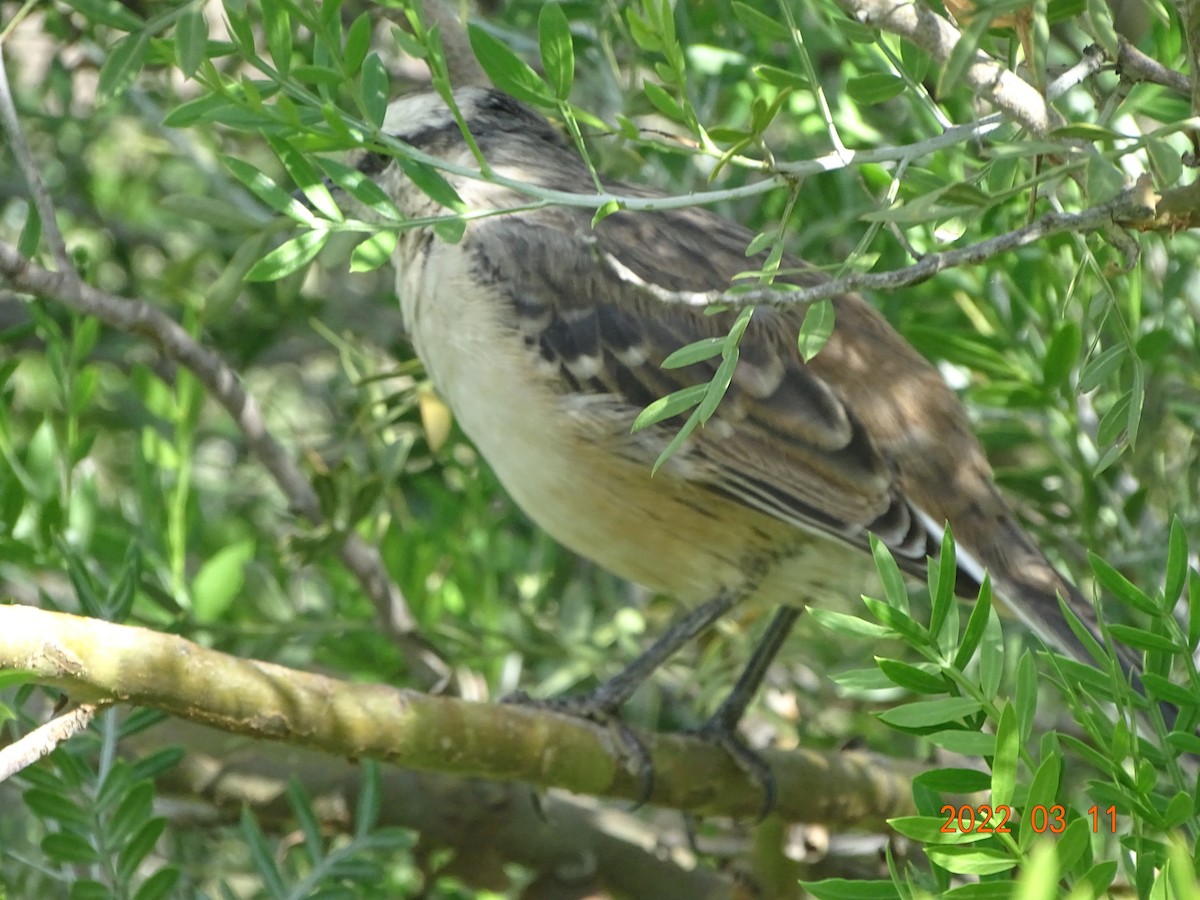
191, 156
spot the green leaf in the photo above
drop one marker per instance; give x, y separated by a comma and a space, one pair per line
432, 184
366, 812
1027, 695
1073, 844
1062, 355
1043, 791
154, 764
718, 386
358, 43
845, 889
1008, 753
277, 27
310, 828
968, 743
852, 626
894, 589
376, 90
816, 328
108, 12
159, 885
1193, 600
115, 786
1179, 809
507, 71
1164, 689
306, 177
663, 102
932, 830
991, 655
674, 404
289, 257
31, 233
374, 252
558, 53
761, 24
1141, 639
261, 855
191, 40
911, 677
698, 351
605, 210
900, 622
1104, 179
967, 860
270, 193
951, 780
220, 580
876, 87
123, 64
1177, 564
362, 188
137, 848
780, 78
943, 574
67, 847
1100, 367
55, 806
928, 713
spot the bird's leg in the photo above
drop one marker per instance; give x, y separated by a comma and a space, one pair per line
602, 704
721, 727
612, 694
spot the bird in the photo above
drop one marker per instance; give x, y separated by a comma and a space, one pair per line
546, 334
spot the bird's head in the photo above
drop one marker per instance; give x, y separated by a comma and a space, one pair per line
517, 142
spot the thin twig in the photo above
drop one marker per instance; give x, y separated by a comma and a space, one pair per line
142, 319
39, 743
1124, 210
37, 189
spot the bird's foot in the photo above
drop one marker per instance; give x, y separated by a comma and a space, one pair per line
719, 732
593, 708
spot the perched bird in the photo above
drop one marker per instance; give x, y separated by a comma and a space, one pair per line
546, 337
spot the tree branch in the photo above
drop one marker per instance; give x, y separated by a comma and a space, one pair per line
99, 662
142, 319
985, 77
41, 741
37, 189
1133, 208
1134, 65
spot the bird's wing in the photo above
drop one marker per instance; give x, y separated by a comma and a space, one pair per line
865, 438
783, 441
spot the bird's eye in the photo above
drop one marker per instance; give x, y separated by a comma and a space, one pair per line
374, 163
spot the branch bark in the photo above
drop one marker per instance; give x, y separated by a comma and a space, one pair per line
986, 78
99, 662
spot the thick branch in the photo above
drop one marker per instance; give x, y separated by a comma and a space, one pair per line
100, 662
985, 77
142, 319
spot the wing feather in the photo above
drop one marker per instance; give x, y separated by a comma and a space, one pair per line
784, 441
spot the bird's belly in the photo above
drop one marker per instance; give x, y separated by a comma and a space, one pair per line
561, 460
